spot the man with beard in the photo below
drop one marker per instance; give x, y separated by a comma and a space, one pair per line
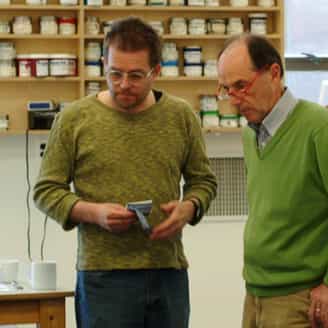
286, 156
130, 143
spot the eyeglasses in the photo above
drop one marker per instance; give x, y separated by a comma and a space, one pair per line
133, 77
239, 89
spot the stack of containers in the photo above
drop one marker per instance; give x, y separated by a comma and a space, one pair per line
209, 111
229, 115
7, 59
193, 65
170, 59
93, 59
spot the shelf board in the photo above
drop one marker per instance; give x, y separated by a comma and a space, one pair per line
37, 7
39, 79
187, 36
164, 78
218, 129
183, 8
38, 36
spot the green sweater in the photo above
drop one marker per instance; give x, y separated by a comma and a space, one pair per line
116, 157
286, 235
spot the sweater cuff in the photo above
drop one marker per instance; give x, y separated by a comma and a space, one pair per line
67, 223
198, 216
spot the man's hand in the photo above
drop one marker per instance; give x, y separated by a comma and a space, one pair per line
318, 312
179, 214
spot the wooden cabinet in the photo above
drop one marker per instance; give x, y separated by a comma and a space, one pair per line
15, 92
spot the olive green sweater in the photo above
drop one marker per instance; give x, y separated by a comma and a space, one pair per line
286, 236
117, 157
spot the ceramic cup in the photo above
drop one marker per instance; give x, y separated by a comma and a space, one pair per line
43, 275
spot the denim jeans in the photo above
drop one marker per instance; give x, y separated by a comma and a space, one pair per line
157, 298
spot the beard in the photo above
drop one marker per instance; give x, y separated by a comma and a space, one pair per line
128, 100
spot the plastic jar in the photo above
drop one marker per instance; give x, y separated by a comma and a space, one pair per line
157, 2
178, 26
93, 68
170, 68
243, 121
157, 26
93, 51
22, 25
212, 3
235, 26
92, 26
67, 25
63, 65
258, 23
229, 121
210, 119
193, 69
216, 26
94, 2
48, 25
210, 68
169, 52
118, 2
7, 51
7, 68
4, 27
238, 3
137, 2
192, 55
176, 2
197, 26
265, 3
93, 88
33, 65
107, 26
36, 2
68, 2
4, 121
196, 2
208, 103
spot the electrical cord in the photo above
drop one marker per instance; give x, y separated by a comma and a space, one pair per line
28, 195
44, 235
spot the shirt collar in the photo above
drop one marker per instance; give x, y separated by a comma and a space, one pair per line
278, 114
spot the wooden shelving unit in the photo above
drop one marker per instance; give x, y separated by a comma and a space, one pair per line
16, 92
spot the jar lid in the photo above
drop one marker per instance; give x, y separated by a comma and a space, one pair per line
258, 15
71, 20
193, 64
33, 56
229, 117
210, 112
93, 62
192, 48
62, 56
217, 20
170, 63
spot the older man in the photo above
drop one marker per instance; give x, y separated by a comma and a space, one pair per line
286, 156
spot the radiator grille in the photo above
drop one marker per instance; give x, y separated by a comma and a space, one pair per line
231, 196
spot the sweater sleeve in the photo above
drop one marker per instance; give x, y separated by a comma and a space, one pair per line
52, 193
200, 181
321, 146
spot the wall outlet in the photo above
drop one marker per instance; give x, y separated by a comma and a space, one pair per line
42, 148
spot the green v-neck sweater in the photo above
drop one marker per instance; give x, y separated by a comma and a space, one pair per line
286, 234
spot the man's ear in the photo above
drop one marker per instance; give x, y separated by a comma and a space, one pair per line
275, 71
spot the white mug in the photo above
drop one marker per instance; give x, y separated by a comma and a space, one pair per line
43, 275
8, 270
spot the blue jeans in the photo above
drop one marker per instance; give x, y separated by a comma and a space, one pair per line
157, 298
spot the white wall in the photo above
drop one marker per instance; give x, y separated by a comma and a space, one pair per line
214, 249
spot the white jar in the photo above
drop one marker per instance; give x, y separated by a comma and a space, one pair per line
67, 25
92, 26
157, 2
41, 65
238, 3
178, 26
243, 121
107, 26
36, 2
210, 119
229, 121
208, 103
216, 26
265, 3
170, 52
7, 68
118, 2
94, 2
192, 55
193, 69
93, 88
93, 51
170, 69
196, 2
62, 65
5, 2
176, 2
7, 51
4, 27
68, 2
258, 23
235, 26
158, 26
137, 2
22, 25
48, 25
197, 26
4, 121
93, 68
210, 68
212, 3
